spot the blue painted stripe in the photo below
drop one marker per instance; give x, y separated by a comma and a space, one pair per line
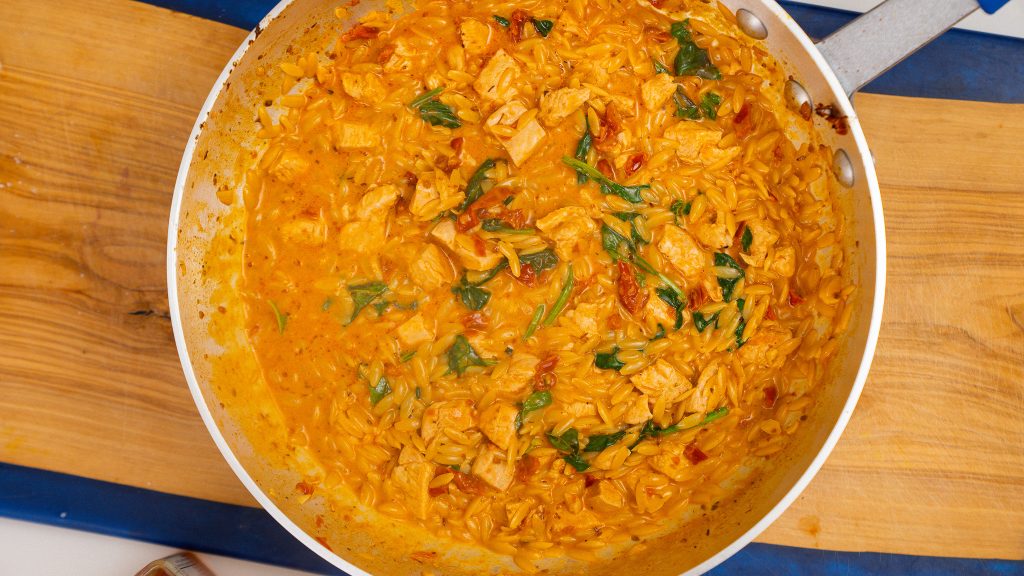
960, 65
252, 534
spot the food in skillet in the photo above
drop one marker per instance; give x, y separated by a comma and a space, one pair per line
545, 276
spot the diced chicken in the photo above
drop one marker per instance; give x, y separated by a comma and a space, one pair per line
661, 379
492, 466
567, 227
657, 90
763, 236
514, 375
657, 311
507, 114
555, 106
415, 331
367, 88
475, 35
589, 317
360, 236
498, 422
375, 204
713, 234
525, 141
470, 255
565, 522
607, 494
705, 388
412, 483
639, 409
432, 269
402, 58
784, 263
624, 105
290, 166
498, 78
579, 409
451, 414
672, 461
355, 135
766, 347
305, 231
682, 250
434, 194
697, 143
445, 232
410, 455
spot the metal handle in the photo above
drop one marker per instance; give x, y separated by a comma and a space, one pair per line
865, 48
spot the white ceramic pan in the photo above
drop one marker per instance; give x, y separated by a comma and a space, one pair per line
359, 541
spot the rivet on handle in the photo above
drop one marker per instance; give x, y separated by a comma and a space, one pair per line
751, 25
797, 97
843, 168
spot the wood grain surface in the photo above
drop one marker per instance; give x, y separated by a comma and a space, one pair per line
97, 99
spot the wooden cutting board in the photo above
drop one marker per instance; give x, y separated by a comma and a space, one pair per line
97, 98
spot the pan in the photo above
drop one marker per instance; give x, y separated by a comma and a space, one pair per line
207, 315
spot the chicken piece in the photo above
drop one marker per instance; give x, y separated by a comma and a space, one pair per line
367, 88
475, 36
639, 409
657, 90
375, 204
403, 57
525, 141
410, 455
362, 237
290, 166
415, 331
705, 388
567, 227
607, 494
497, 81
466, 248
579, 409
784, 263
431, 269
589, 317
557, 105
433, 195
766, 348
661, 379
672, 461
657, 311
411, 482
451, 414
498, 422
445, 232
682, 250
565, 522
713, 234
697, 143
507, 114
491, 466
355, 135
763, 237
304, 231
515, 375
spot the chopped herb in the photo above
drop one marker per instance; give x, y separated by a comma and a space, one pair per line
540, 261
543, 27
583, 149
685, 108
563, 297
709, 105
407, 356
660, 68
701, 322
461, 356
692, 60
601, 441
740, 303
326, 305
675, 300
434, 111
501, 21
728, 284
363, 295
381, 306
609, 360
499, 225
577, 462
379, 390
509, 351
282, 319
534, 322
419, 393
746, 239
475, 185
536, 401
628, 193
508, 199
569, 441
659, 334
680, 209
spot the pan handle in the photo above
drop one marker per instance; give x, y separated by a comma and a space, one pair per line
865, 48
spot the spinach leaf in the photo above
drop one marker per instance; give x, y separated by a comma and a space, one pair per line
709, 105
563, 297
609, 360
327, 304
363, 295
534, 322
282, 319
471, 295
675, 300
583, 149
652, 430
680, 209
746, 239
631, 217
536, 401
508, 199
475, 184
728, 284
628, 193
569, 441
434, 111
740, 303
461, 356
739, 333
381, 306
701, 322
577, 462
499, 225
407, 356
543, 27
379, 390
685, 108
659, 334
660, 68
616, 245
599, 442
692, 60
540, 261
647, 267
503, 22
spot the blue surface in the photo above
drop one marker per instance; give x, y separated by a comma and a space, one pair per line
252, 534
961, 65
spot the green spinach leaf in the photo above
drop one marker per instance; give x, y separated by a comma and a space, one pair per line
540, 261
701, 322
609, 360
503, 22
434, 111
746, 239
583, 150
709, 104
576, 461
628, 193
475, 184
543, 27
569, 441
599, 442
728, 284
462, 356
379, 390
563, 297
363, 295
680, 209
685, 108
675, 300
692, 60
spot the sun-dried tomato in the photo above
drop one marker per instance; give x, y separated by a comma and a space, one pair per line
456, 160
635, 162
516, 24
632, 296
480, 246
514, 218
544, 374
605, 167
527, 275
743, 122
656, 3
771, 394
475, 322
795, 299
360, 32
589, 480
693, 454
611, 125
696, 298
304, 487
467, 221
469, 484
657, 34
526, 468
770, 313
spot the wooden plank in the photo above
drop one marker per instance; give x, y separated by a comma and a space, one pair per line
97, 99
